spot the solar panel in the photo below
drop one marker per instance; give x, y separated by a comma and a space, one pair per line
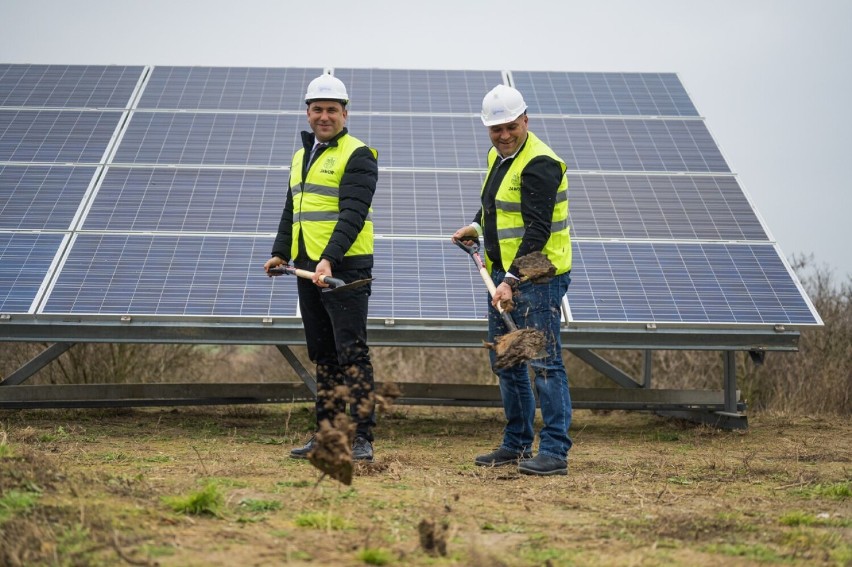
116, 274
615, 144
425, 203
619, 94
417, 91
227, 88
24, 260
425, 279
690, 283
180, 213
661, 207
68, 86
55, 136
194, 138
41, 197
188, 200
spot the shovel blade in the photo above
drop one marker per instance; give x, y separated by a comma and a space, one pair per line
335, 287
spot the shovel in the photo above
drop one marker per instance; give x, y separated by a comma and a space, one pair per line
518, 345
334, 285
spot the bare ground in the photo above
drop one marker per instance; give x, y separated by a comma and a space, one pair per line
92, 487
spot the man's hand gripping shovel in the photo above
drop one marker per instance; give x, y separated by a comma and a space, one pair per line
518, 345
334, 285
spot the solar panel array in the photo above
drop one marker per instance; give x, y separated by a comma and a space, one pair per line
156, 192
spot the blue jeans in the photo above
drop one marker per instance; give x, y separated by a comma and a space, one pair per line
537, 306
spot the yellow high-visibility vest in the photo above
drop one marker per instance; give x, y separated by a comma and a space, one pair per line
510, 223
316, 200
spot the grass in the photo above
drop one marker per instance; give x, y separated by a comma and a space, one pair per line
207, 501
16, 502
321, 520
375, 556
641, 491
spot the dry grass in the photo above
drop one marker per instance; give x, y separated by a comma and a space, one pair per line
641, 491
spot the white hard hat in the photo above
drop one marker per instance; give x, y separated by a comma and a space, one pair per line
502, 104
326, 87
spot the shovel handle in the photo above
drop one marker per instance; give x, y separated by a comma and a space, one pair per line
473, 251
332, 282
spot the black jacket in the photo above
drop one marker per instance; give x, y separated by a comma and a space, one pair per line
355, 196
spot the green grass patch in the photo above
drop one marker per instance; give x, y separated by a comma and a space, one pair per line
260, 506
207, 501
16, 501
750, 551
75, 541
157, 459
375, 556
113, 457
321, 520
835, 491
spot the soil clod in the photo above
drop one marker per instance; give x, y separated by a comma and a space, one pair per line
332, 452
433, 536
517, 347
536, 267
386, 395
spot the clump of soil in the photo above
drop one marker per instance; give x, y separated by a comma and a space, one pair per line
536, 267
386, 395
332, 452
517, 347
433, 536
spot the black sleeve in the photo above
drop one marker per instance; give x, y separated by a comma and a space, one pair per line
355, 195
284, 239
539, 182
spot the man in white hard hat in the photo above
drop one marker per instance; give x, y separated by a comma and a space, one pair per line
524, 210
326, 228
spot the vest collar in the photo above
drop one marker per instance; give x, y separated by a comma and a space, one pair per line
308, 139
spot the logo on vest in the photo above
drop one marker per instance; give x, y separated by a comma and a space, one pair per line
515, 182
328, 166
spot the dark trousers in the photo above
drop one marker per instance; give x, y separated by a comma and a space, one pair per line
336, 334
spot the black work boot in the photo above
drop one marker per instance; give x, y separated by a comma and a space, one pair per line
500, 457
362, 449
543, 465
302, 452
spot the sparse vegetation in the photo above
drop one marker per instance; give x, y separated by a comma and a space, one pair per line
642, 490
208, 500
101, 487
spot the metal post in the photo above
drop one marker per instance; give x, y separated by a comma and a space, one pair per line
730, 381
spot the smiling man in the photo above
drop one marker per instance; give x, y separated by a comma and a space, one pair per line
524, 210
326, 228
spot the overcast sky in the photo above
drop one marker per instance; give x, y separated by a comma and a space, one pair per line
772, 77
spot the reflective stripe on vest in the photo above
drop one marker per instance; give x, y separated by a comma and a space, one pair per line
316, 200
510, 222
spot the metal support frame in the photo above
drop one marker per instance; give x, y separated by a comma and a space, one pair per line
720, 408
296, 364
41, 360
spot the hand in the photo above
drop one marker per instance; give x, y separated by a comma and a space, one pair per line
323, 270
466, 233
502, 293
273, 262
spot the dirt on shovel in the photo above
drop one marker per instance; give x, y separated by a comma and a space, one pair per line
517, 347
536, 267
332, 452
